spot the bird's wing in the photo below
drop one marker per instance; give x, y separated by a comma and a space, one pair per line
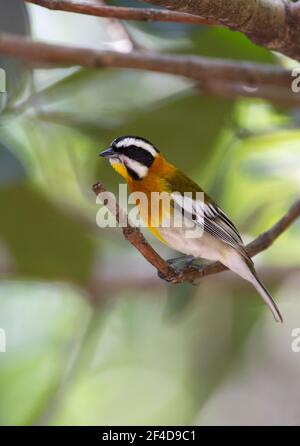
211, 218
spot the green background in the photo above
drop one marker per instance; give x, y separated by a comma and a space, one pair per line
93, 336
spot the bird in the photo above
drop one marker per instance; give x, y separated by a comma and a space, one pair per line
146, 171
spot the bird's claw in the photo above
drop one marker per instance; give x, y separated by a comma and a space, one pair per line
176, 272
171, 277
186, 260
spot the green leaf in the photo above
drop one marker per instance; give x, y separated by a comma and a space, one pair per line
183, 124
226, 44
185, 128
44, 242
119, 95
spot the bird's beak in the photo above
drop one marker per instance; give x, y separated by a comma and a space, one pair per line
109, 153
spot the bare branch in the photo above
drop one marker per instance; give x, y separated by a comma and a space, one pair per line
253, 78
279, 96
194, 273
273, 24
122, 13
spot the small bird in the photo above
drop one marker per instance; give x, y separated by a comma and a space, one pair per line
145, 170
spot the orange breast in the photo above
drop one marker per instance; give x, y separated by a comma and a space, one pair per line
154, 200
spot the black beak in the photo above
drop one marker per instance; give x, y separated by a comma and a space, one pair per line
109, 153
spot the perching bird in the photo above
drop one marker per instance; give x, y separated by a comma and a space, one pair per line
146, 170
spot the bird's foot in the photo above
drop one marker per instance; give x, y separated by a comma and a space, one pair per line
186, 260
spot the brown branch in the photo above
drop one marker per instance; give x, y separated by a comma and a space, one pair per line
194, 273
280, 96
273, 24
122, 13
253, 77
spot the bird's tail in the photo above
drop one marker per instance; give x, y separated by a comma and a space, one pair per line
266, 296
243, 266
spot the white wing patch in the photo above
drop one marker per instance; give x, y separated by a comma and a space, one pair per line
213, 220
222, 221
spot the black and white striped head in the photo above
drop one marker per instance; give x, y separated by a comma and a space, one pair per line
131, 155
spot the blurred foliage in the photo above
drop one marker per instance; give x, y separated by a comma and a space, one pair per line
11, 169
146, 353
13, 19
49, 244
44, 323
207, 42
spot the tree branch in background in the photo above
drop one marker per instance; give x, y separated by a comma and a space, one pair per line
194, 273
227, 89
122, 13
254, 79
273, 24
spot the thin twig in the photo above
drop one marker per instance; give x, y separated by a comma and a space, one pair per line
254, 78
122, 13
194, 273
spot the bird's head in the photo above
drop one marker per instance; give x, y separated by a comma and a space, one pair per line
131, 156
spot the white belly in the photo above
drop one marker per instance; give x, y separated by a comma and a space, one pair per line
204, 246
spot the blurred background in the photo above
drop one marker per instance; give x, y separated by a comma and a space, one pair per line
93, 337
